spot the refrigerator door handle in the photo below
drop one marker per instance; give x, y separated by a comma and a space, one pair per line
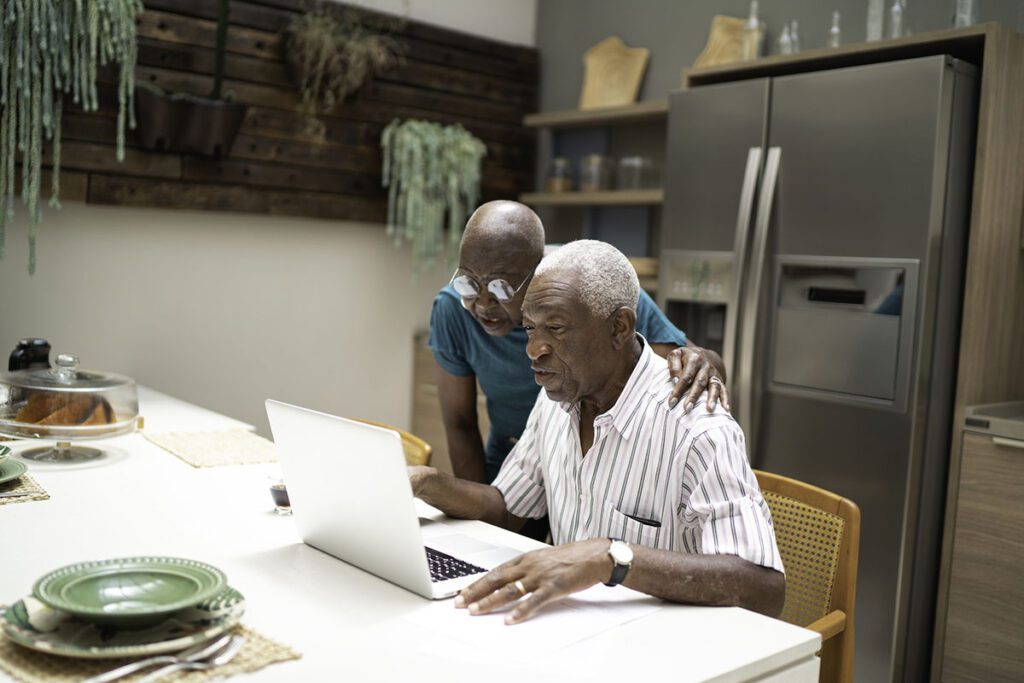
748, 335
739, 265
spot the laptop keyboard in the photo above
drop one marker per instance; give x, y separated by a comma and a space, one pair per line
444, 567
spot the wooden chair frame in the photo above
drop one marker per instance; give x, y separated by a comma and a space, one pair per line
417, 451
836, 627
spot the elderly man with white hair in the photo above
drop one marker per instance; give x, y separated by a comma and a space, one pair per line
658, 500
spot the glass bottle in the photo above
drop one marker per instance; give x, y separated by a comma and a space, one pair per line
835, 34
752, 34
896, 17
794, 36
785, 41
876, 14
966, 13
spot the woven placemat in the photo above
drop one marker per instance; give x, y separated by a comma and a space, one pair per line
211, 449
30, 666
23, 484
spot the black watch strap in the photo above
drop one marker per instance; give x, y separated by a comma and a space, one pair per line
618, 570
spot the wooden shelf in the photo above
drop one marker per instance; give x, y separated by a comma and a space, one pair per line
606, 198
965, 43
641, 112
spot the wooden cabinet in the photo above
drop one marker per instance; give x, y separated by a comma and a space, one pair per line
984, 638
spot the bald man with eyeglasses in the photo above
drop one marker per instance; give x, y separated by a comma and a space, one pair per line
476, 333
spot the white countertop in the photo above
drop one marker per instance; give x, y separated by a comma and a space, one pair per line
347, 623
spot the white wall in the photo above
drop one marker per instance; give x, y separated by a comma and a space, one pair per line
224, 310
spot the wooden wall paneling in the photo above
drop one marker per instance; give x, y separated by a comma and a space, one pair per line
248, 14
86, 156
127, 191
200, 60
73, 187
357, 158
279, 164
175, 28
991, 363
277, 175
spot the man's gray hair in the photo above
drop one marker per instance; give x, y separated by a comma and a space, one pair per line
608, 278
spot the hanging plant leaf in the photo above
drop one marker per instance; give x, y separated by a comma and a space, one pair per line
48, 49
433, 176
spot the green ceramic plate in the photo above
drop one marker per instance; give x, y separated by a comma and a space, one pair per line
73, 637
11, 469
131, 591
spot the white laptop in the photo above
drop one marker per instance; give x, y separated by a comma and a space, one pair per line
351, 498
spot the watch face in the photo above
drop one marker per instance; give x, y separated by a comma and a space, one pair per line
620, 552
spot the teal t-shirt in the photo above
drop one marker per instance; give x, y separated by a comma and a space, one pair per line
463, 348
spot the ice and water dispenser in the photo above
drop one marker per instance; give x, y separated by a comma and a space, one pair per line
843, 326
693, 290
840, 328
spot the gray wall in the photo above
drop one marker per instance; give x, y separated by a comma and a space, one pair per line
676, 31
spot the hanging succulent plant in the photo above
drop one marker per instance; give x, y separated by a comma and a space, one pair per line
333, 52
433, 173
49, 48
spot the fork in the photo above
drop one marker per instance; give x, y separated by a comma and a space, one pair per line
197, 652
220, 659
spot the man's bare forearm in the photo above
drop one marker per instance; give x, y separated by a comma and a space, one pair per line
460, 498
466, 451
723, 580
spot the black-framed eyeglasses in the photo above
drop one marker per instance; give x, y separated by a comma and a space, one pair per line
469, 288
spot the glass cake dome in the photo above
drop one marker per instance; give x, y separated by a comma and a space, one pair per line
66, 403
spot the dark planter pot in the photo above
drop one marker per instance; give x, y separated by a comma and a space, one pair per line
158, 117
209, 126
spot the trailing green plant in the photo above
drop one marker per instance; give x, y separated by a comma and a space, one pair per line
433, 176
48, 49
333, 51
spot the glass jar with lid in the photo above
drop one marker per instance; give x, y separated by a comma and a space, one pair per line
635, 173
66, 403
595, 173
559, 176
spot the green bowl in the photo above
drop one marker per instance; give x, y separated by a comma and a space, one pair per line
129, 592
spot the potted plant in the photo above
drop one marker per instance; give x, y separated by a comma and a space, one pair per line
333, 52
49, 49
189, 123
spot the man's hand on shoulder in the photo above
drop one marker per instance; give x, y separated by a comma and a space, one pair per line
694, 371
539, 577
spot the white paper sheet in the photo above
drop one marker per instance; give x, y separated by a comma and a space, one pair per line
555, 627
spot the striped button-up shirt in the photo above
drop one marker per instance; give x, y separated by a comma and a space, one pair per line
655, 477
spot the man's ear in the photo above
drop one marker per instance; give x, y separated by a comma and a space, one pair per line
623, 322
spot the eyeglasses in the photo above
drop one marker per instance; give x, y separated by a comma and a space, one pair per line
468, 288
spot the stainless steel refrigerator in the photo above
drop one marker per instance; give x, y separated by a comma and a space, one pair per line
813, 232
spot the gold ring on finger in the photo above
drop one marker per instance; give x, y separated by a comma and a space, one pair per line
520, 587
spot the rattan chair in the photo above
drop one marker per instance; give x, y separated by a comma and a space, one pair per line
417, 451
818, 533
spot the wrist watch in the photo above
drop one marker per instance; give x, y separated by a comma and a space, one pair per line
622, 558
